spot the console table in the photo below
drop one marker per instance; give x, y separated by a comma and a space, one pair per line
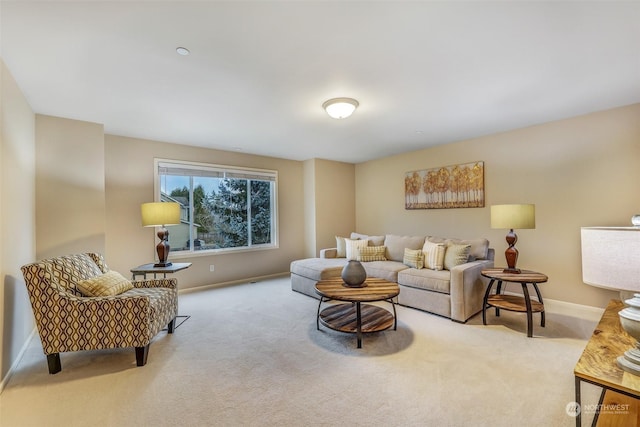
522, 304
598, 366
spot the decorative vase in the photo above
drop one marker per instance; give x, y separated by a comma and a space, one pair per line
635, 220
354, 275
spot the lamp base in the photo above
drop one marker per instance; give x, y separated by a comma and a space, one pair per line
512, 270
163, 264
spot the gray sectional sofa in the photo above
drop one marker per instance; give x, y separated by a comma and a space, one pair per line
455, 293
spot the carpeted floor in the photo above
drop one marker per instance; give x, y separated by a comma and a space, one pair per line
250, 355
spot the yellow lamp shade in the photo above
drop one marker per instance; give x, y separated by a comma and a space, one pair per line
513, 216
158, 214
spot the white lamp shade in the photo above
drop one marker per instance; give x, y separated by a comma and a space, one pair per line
611, 257
340, 108
513, 216
158, 214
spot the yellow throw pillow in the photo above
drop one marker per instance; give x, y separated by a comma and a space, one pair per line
413, 258
372, 253
107, 284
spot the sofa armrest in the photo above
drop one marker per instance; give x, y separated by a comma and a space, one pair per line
329, 253
467, 289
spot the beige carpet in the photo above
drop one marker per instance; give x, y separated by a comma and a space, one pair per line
250, 355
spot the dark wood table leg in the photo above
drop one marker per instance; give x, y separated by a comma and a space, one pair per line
484, 302
318, 315
359, 324
498, 292
395, 316
527, 301
535, 286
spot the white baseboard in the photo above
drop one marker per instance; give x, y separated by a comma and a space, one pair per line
580, 311
15, 363
232, 282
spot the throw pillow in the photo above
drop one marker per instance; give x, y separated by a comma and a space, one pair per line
373, 240
433, 255
455, 255
107, 284
372, 253
341, 247
353, 248
413, 258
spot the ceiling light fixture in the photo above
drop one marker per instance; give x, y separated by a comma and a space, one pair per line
182, 51
340, 108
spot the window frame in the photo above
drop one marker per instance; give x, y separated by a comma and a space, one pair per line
241, 172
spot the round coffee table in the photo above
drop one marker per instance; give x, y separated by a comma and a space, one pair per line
355, 317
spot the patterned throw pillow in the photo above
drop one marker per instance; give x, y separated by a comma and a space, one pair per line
353, 248
456, 255
413, 258
433, 255
107, 284
372, 253
341, 247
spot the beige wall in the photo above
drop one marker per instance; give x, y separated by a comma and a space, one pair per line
70, 186
582, 171
17, 217
329, 195
129, 183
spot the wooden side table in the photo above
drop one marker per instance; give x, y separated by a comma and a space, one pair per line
597, 365
522, 304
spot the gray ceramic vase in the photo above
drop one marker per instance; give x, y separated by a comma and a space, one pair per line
354, 275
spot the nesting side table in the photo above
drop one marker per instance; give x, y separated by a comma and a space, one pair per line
522, 304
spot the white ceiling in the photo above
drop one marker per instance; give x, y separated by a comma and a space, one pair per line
425, 73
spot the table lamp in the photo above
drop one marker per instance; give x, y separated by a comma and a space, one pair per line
510, 217
610, 260
161, 214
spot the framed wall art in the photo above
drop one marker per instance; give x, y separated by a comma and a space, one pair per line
458, 186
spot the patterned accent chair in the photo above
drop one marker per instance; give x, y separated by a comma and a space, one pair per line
68, 321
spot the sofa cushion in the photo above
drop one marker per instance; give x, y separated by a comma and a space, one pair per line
413, 258
107, 284
318, 268
373, 240
397, 244
372, 253
455, 255
353, 248
431, 280
387, 270
479, 247
433, 255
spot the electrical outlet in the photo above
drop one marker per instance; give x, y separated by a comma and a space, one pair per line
212, 267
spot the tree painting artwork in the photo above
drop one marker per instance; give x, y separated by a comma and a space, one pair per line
459, 186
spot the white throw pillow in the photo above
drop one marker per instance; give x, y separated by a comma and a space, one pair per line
353, 248
433, 255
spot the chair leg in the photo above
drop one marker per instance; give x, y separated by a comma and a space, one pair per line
172, 325
53, 360
141, 355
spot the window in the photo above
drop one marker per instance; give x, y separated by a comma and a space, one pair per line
221, 207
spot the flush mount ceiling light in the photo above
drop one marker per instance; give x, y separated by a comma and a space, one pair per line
182, 51
340, 108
